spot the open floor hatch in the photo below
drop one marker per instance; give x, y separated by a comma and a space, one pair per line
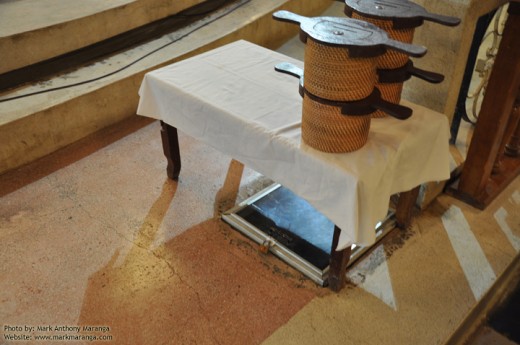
286, 225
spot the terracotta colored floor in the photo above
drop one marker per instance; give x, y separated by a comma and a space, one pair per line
104, 238
96, 234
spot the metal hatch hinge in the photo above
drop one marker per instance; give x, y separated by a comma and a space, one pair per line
266, 245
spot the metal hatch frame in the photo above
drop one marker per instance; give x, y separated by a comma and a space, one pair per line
316, 274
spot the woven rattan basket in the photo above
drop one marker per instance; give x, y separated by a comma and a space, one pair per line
326, 129
330, 73
399, 19
390, 59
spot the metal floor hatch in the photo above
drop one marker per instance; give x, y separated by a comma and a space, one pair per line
290, 228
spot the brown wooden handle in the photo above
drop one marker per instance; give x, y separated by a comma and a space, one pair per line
289, 68
295, 71
428, 76
286, 16
398, 111
440, 19
410, 49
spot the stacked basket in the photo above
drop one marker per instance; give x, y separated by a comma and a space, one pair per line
399, 19
340, 69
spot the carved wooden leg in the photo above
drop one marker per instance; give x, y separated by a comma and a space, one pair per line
504, 81
513, 146
227, 195
170, 142
512, 126
338, 263
404, 209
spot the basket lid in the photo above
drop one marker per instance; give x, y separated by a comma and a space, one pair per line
403, 13
361, 38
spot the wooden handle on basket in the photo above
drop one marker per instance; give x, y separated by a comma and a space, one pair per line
286, 16
295, 71
398, 111
410, 49
430, 77
289, 68
440, 19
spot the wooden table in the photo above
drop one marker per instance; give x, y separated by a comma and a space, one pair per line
232, 99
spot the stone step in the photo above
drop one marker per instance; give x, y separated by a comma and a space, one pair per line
34, 126
35, 30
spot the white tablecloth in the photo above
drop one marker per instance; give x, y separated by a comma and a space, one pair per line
232, 99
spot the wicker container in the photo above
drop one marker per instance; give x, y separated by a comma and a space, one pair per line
391, 59
326, 129
341, 55
331, 73
399, 20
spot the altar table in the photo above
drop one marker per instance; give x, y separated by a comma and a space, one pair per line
232, 99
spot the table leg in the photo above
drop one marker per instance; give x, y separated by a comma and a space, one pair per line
170, 143
338, 263
404, 209
227, 195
